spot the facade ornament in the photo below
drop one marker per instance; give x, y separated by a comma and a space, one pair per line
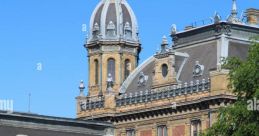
142, 79
81, 88
127, 30
96, 27
164, 45
217, 18
95, 31
198, 69
111, 26
111, 29
223, 29
173, 29
109, 83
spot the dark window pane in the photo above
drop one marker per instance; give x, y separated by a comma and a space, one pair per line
96, 71
164, 70
111, 68
130, 132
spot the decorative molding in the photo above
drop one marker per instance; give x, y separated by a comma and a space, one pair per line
222, 29
198, 69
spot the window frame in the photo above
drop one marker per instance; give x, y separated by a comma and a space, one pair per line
164, 69
130, 132
164, 130
111, 68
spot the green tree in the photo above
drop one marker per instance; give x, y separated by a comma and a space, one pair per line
237, 119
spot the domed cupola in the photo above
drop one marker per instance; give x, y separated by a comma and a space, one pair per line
113, 20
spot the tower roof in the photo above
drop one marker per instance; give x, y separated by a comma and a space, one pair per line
113, 20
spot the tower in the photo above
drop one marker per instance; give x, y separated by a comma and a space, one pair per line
113, 46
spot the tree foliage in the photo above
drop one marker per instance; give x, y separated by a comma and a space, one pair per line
237, 119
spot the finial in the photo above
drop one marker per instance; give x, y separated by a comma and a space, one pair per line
217, 18
233, 16
234, 8
173, 29
81, 88
164, 41
164, 44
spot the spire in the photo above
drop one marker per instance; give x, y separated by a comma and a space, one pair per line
233, 16
234, 9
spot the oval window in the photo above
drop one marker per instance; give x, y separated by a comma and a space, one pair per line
164, 70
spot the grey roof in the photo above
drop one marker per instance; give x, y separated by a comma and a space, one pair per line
147, 71
15, 123
14, 131
200, 45
119, 13
206, 55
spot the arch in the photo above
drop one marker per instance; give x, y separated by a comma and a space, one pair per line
111, 67
96, 71
164, 70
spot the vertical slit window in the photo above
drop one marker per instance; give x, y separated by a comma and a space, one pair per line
127, 68
111, 68
96, 66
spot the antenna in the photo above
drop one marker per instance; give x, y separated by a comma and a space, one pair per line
29, 104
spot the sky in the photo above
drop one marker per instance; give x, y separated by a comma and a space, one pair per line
41, 45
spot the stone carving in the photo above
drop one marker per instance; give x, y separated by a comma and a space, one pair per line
142, 79
217, 18
223, 29
198, 69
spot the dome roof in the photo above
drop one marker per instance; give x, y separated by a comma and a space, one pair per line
113, 20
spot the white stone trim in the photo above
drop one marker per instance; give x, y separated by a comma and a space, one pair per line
117, 7
222, 48
186, 56
135, 73
92, 19
103, 18
133, 21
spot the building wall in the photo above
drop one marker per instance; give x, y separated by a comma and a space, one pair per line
103, 62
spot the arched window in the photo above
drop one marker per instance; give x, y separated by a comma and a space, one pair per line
111, 68
164, 70
127, 67
96, 67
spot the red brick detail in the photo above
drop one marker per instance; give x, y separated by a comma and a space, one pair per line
179, 131
146, 133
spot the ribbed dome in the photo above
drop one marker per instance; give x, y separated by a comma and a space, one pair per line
113, 20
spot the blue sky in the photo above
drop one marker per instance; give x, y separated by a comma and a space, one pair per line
49, 32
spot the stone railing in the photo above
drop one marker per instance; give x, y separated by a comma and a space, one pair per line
168, 92
89, 103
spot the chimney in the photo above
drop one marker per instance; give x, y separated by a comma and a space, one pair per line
252, 16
